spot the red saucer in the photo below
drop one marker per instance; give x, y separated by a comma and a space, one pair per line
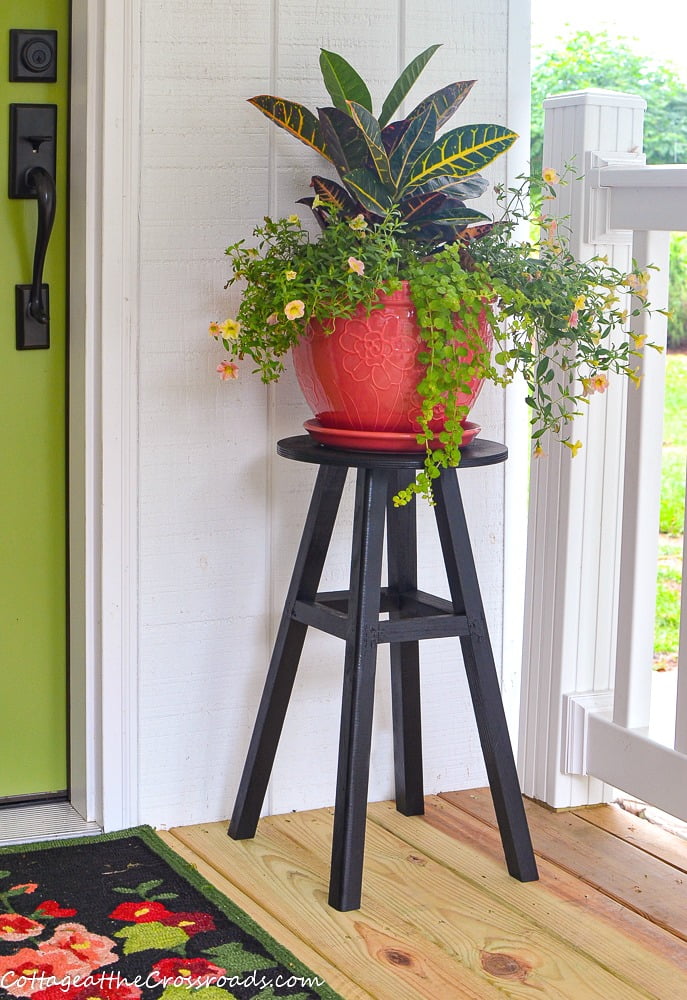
378, 440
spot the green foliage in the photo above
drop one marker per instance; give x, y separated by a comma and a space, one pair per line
677, 292
667, 629
599, 60
555, 320
674, 462
399, 166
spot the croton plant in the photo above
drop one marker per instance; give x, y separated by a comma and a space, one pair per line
387, 164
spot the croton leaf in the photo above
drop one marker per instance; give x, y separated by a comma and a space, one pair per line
445, 101
393, 134
438, 208
343, 83
334, 194
461, 152
456, 187
363, 185
346, 146
416, 139
294, 118
369, 126
404, 83
452, 217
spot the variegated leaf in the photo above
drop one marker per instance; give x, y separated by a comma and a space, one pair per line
437, 208
445, 101
294, 118
404, 83
364, 186
463, 188
343, 83
417, 138
461, 152
346, 146
334, 194
369, 126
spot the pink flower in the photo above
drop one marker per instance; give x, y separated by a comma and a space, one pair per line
227, 370
356, 265
91, 950
573, 319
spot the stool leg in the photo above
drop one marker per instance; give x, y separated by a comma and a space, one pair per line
405, 656
483, 680
307, 571
348, 838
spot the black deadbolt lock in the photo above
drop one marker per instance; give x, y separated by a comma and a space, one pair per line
33, 56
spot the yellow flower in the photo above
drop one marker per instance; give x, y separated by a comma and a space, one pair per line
356, 265
294, 219
550, 175
635, 377
294, 309
574, 448
317, 201
539, 452
358, 224
580, 301
230, 329
639, 341
289, 275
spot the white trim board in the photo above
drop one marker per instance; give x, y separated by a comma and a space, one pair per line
104, 185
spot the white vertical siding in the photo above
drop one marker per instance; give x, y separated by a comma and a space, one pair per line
220, 514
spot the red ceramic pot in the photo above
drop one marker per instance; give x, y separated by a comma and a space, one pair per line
362, 376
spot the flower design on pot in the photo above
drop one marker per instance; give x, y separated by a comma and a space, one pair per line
374, 350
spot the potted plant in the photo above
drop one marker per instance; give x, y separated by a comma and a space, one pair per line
395, 233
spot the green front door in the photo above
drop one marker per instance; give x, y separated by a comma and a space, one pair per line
33, 463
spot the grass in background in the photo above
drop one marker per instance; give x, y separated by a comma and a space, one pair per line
672, 513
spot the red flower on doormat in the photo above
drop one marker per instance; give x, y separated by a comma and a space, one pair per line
141, 912
189, 972
51, 908
15, 927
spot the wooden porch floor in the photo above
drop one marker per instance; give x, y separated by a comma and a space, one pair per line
441, 919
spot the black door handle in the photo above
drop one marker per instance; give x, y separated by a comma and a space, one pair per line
43, 184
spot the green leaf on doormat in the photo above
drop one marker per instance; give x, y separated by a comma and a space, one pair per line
235, 959
141, 937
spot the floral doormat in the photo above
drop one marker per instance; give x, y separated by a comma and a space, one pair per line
121, 916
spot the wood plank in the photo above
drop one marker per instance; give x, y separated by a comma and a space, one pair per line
627, 874
619, 938
640, 832
468, 915
381, 950
315, 961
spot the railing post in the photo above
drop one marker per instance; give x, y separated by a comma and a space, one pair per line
641, 501
575, 503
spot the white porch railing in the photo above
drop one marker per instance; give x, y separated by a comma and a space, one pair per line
593, 535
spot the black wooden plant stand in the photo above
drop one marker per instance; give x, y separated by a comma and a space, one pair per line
354, 615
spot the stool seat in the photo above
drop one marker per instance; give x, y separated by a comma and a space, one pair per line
354, 616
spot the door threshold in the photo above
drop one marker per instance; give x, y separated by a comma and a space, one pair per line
48, 821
